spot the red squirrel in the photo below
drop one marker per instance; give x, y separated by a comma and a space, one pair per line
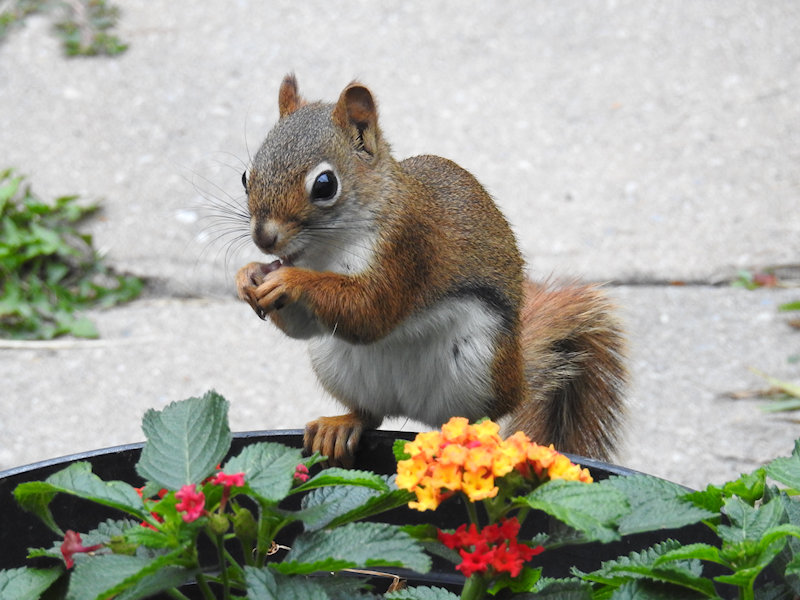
407, 282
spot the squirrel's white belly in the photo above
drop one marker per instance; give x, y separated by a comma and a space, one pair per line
434, 366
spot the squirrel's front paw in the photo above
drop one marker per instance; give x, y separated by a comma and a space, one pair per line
279, 288
249, 278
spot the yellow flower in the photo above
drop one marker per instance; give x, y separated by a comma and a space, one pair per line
479, 485
479, 457
410, 472
472, 458
456, 430
427, 443
453, 454
427, 498
563, 468
512, 452
446, 476
486, 430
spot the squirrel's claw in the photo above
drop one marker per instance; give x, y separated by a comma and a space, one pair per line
335, 437
249, 278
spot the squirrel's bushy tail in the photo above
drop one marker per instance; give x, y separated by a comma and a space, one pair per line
573, 349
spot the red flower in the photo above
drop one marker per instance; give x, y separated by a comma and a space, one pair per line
301, 473
229, 481
462, 537
73, 545
191, 502
477, 561
495, 547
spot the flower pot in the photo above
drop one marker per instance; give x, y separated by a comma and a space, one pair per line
20, 530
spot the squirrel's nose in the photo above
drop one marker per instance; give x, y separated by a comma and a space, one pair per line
265, 235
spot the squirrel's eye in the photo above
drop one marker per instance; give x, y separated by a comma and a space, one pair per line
244, 181
324, 187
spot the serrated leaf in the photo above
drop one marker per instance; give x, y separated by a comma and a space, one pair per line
550, 589
646, 557
525, 581
698, 551
35, 497
421, 593
748, 523
77, 480
676, 575
648, 564
786, 470
25, 583
589, 508
648, 590
268, 469
774, 591
337, 476
655, 504
399, 450
749, 486
265, 584
337, 505
124, 577
354, 545
185, 441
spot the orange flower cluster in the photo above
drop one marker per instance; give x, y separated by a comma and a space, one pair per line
469, 458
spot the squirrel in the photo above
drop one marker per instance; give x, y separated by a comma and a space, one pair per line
408, 284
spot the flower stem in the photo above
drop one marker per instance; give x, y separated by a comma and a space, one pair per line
471, 511
177, 594
208, 593
226, 584
474, 588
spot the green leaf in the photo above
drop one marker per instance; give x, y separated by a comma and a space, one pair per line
790, 306
337, 505
749, 486
268, 469
655, 504
787, 470
125, 577
77, 480
524, 582
748, 523
84, 328
8, 190
590, 508
650, 563
421, 593
266, 584
399, 450
698, 551
781, 405
337, 476
25, 583
185, 441
352, 546
561, 589
648, 590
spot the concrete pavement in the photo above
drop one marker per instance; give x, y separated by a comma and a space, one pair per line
629, 143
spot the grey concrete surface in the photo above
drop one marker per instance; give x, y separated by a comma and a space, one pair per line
636, 143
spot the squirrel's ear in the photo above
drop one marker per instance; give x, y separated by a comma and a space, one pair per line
356, 109
289, 98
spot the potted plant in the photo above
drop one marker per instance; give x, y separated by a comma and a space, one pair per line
198, 512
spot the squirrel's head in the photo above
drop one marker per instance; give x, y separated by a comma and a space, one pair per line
318, 173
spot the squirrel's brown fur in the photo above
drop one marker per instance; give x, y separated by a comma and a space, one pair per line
398, 271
